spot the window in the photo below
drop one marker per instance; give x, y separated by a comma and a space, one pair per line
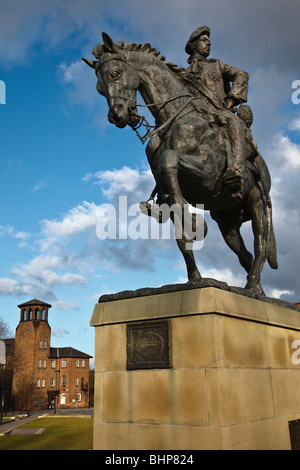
53, 363
64, 364
83, 363
78, 396
39, 363
77, 381
43, 383
45, 344
52, 383
63, 380
77, 362
38, 383
44, 364
40, 344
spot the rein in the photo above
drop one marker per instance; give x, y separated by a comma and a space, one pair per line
144, 122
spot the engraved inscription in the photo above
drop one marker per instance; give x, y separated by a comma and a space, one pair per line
149, 345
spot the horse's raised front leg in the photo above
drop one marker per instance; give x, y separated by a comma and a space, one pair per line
168, 172
260, 230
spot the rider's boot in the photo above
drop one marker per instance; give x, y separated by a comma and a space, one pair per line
153, 210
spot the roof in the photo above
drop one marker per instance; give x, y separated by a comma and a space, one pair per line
34, 302
67, 352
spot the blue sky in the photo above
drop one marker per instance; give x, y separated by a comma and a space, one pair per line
61, 160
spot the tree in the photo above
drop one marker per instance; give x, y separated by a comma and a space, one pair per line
5, 332
6, 370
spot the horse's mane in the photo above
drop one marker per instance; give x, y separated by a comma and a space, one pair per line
100, 50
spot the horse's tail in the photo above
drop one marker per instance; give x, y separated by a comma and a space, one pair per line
265, 180
271, 241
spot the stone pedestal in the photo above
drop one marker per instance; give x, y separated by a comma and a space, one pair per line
232, 382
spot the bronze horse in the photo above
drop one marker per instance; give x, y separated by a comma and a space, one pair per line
186, 151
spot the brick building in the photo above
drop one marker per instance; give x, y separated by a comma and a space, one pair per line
39, 376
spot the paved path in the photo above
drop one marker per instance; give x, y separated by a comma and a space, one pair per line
7, 428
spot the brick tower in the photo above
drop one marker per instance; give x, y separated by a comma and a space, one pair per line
31, 351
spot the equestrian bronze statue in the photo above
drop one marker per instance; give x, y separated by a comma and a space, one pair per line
201, 149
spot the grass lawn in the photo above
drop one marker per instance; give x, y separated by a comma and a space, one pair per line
61, 433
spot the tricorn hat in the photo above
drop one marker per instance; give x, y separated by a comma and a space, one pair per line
196, 35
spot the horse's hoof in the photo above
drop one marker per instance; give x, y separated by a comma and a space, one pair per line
256, 288
195, 277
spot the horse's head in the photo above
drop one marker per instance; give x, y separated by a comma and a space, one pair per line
118, 81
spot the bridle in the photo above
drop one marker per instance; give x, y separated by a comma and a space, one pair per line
150, 130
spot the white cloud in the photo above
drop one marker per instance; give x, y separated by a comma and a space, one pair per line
295, 125
23, 24
40, 275
59, 333
124, 181
283, 157
69, 72
221, 274
40, 270
277, 293
10, 231
69, 249
13, 287
286, 153
64, 305
39, 186
76, 221
225, 275
80, 83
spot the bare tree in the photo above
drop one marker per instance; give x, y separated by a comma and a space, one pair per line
5, 332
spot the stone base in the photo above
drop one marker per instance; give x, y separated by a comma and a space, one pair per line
233, 381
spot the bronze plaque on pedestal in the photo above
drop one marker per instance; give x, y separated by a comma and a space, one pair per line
148, 345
